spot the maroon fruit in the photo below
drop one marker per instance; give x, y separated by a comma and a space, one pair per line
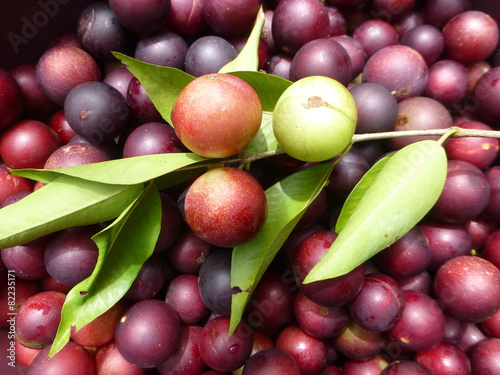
221, 351
272, 301
101, 330
186, 360
28, 144
398, 68
296, 22
145, 18
358, 343
38, 318
465, 195
60, 69
478, 151
379, 304
230, 17
11, 184
448, 82
11, 100
183, 294
148, 333
425, 39
108, 360
331, 292
484, 357
375, 34
309, 352
445, 359
71, 359
419, 113
271, 361
208, 54
322, 57
71, 255
470, 36
152, 138
406, 257
468, 287
35, 103
71, 155
421, 325
318, 320
406, 367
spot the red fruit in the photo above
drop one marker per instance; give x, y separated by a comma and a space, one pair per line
225, 207
217, 115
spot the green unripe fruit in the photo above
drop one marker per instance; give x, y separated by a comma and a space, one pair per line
315, 119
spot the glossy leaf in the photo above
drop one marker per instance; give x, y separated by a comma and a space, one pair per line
162, 83
358, 191
269, 87
248, 58
63, 203
123, 247
264, 140
287, 201
126, 171
401, 194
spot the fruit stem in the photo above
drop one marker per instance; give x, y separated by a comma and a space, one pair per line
455, 133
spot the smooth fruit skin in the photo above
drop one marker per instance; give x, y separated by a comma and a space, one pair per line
225, 207
217, 115
314, 119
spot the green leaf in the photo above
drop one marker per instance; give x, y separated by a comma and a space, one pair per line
63, 203
264, 140
401, 194
248, 58
123, 247
162, 84
126, 171
269, 87
358, 191
287, 200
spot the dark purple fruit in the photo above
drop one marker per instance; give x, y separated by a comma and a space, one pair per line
322, 57
148, 333
100, 32
208, 54
71, 255
144, 18
96, 111
162, 48
214, 282
290, 16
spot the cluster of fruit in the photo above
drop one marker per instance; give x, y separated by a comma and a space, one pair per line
354, 74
